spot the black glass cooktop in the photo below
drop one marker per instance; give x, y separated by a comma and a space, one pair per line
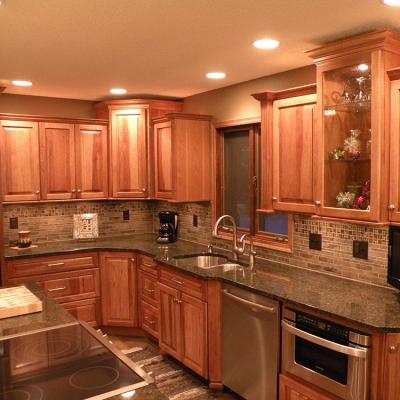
67, 363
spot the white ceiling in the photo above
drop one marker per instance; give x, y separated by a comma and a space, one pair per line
82, 48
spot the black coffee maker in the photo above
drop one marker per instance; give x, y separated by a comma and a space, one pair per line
168, 231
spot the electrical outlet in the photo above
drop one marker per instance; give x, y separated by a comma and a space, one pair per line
125, 215
360, 249
14, 223
195, 220
315, 241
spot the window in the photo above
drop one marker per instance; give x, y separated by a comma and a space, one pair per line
237, 192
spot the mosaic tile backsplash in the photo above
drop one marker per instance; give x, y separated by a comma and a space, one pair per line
54, 221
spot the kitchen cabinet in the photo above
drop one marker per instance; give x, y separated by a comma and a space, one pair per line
91, 161
289, 145
391, 381
183, 320
182, 157
19, 144
353, 125
57, 161
73, 281
118, 289
294, 389
131, 143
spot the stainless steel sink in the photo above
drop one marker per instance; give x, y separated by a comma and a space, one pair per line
205, 261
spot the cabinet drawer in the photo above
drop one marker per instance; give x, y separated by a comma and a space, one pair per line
148, 265
148, 288
187, 284
149, 318
38, 266
66, 286
84, 310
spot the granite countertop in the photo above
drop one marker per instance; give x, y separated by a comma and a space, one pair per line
374, 307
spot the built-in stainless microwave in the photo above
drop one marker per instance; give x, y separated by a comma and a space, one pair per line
394, 257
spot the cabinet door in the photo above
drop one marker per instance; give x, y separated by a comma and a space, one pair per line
20, 160
118, 289
391, 386
91, 161
57, 161
293, 155
128, 153
194, 334
163, 160
394, 183
170, 321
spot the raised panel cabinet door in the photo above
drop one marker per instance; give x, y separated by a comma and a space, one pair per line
129, 153
294, 154
163, 160
91, 161
391, 386
170, 336
118, 289
57, 161
19, 141
194, 334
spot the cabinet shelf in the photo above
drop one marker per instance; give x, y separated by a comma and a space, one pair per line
349, 160
350, 107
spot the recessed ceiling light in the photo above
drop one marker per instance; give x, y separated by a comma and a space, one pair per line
216, 75
21, 83
363, 67
394, 3
118, 91
266, 44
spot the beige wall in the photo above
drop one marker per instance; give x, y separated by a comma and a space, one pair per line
46, 106
235, 102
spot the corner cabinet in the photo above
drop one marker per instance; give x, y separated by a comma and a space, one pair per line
288, 149
182, 157
353, 117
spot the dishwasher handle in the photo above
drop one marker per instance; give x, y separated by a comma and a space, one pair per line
270, 310
340, 348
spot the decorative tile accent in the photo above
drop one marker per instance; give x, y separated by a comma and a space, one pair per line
86, 226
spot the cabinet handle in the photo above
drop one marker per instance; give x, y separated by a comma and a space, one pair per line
391, 207
176, 281
393, 349
58, 289
149, 290
177, 301
317, 203
149, 321
58, 264
148, 265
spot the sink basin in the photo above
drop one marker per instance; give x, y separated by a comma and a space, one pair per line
205, 261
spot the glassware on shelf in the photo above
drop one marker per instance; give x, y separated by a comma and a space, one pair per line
352, 144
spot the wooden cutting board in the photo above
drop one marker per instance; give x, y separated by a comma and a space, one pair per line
18, 301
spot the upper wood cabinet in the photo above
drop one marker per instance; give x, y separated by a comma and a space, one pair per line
57, 161
182, 157
353, 125
288, 149
19, 142
118, 289
131, 143
91, 161
129, 168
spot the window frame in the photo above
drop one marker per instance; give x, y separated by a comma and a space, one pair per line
261, 239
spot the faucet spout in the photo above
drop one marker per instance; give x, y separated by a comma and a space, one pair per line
235, 249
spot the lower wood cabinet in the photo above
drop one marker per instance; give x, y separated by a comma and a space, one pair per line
183, 327
390, 389
118, 289
293, 389
85, 310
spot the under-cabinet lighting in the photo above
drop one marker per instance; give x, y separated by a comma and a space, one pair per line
87, 132
363, 67
216, 75
21, 83
330, 113
118, 91
266, 44
393, 3
128, 395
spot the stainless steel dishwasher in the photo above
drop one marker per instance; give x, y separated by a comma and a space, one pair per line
251, 337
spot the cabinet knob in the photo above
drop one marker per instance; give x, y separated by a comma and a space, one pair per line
37, 192
317, 203
79, 190
144, 189
274, 198
393, 349
133, 259
391, 207
73, 190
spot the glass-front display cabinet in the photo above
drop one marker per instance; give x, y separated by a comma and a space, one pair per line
352, 125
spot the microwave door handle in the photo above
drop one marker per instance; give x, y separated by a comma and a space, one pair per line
340, 348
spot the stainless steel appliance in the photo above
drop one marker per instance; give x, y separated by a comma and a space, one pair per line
68, 362
168, 231
326, 354
394, 257
250, 343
